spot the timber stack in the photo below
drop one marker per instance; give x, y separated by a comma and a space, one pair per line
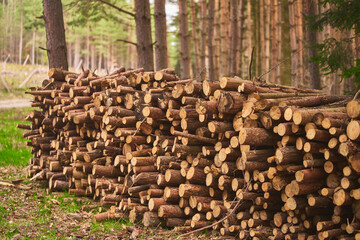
251, 160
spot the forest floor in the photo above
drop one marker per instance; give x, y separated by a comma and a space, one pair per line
28, 212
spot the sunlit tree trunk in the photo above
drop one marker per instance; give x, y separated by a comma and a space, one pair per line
145, 54
185, 64
249, 31
217, 45
233, 36
33, 46
293, 45
224, 14
202, 4
21, 31
267, 40
194, 35
55, 34
240, 38
262, 34
279, 41
298, 4
161, 52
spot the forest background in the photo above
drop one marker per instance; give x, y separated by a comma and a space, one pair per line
221, 36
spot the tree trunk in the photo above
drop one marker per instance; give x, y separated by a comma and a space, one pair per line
69, 54
87, 54
311, 9
267, 39
224, 9
240, 39
161, 52
21, 32
143, 35
217, 46
185, 64
234, 37
249, 31
202, 4
77, 52
298, 4
211, 14
274, 14
93, 57
279, 39
195, 38
33, 47
55, 34
293, 45
262, 34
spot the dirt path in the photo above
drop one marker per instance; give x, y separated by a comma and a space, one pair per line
14, 103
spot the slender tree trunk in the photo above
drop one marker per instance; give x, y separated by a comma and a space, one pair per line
298, 4
257, 33
202, 4
274, 40
99, 65
279, 41
185, 64
224, 12
21, 32
55, 34
77, 52
93, 57
194, 20
240, 39
311, 9
69, 54
33, 47
217, 46
143, 35
211, 14
87, 54
249, 31
109, 55
293, 45
262, 35
234, 36
161, 52
267, 39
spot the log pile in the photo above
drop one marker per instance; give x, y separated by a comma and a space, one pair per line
277, 162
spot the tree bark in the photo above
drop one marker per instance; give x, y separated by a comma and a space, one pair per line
55, 34
234, 37
267, 39
144, 44
224, 9
21, 32
161, 52
311, 40
185, 64
195, 38
240, 38
293, 45
279, 38
211, 14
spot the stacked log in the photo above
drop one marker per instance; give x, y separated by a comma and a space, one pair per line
283, 161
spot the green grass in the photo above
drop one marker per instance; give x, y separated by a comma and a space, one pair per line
13, 149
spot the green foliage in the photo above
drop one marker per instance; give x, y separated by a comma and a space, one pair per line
13, 150
342, 14
335, 56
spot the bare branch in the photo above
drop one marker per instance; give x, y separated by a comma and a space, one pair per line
45, 49
117, 8
126, 41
